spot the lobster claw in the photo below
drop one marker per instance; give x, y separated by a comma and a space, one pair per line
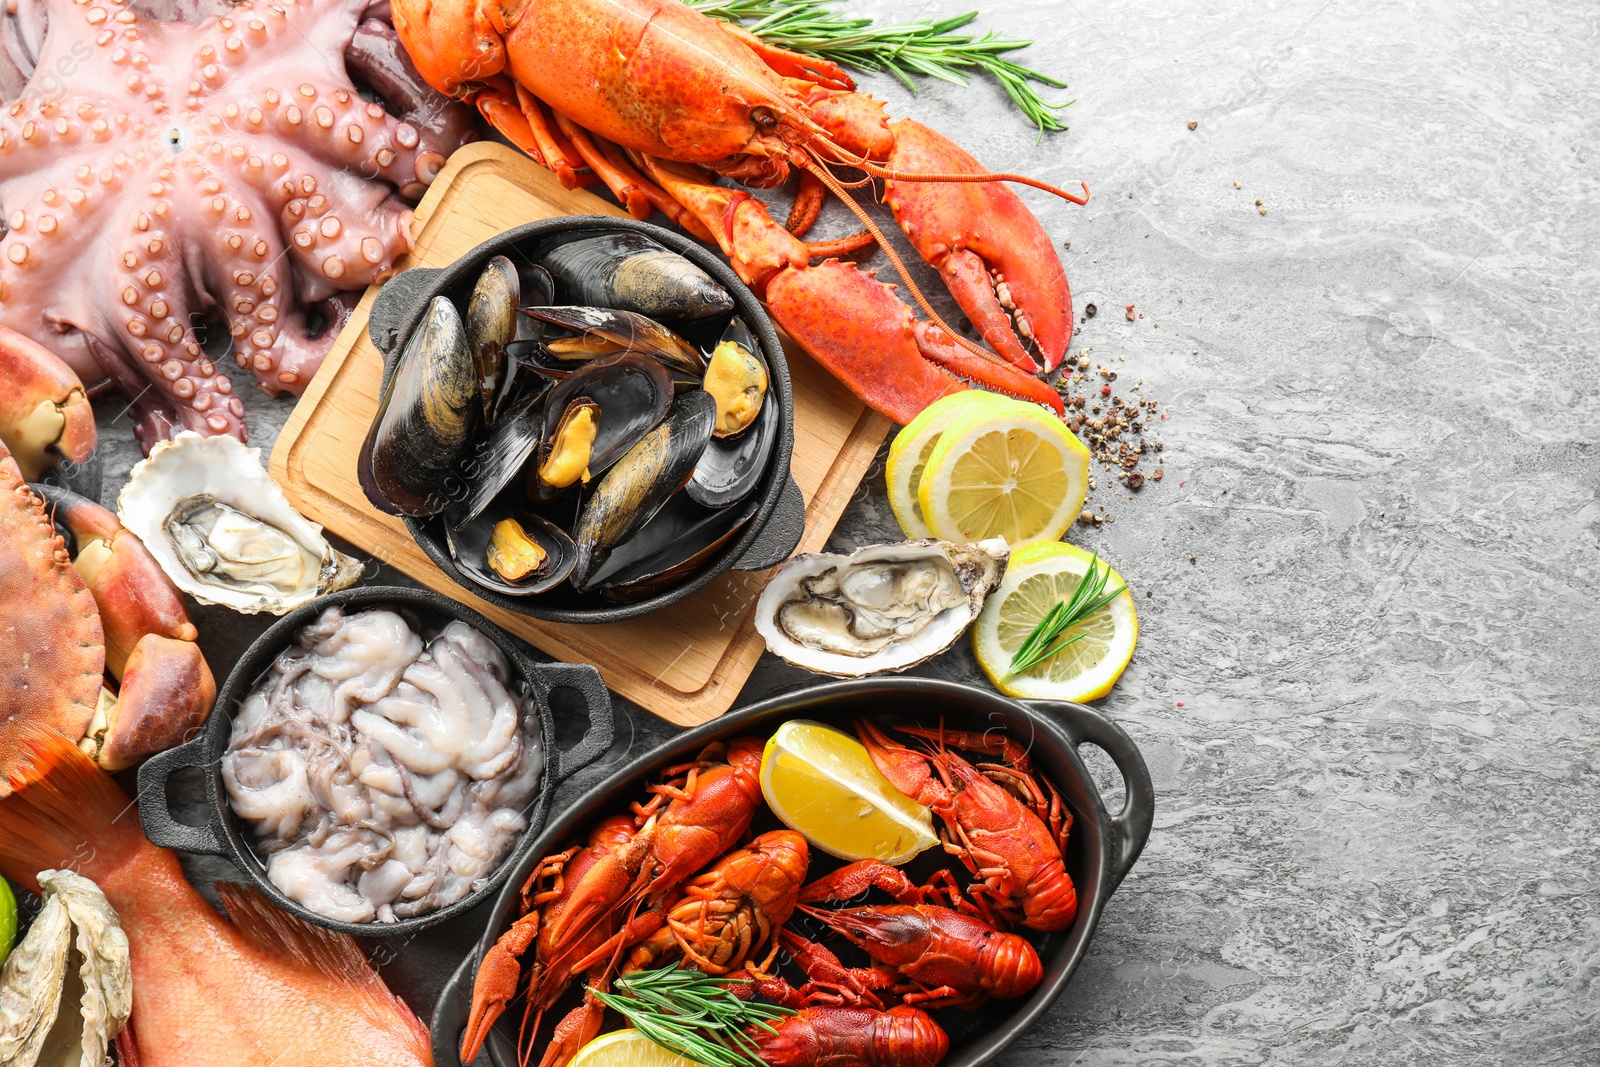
992, 253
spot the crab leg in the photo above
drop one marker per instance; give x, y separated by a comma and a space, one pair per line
848, 321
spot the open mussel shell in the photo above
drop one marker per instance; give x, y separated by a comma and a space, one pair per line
426, 417
470, 546
627, 329
491, 325
639, 483
633, 273
496, 459
630, 392
735, 461
681, 539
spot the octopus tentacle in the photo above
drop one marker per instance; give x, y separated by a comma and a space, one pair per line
182, 168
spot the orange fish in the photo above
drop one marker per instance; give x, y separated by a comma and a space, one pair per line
264, 988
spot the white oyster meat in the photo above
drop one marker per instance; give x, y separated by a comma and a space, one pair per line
224, 532
880, 608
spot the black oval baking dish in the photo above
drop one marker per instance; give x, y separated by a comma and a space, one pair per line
224, 834
1101, 849
768, 538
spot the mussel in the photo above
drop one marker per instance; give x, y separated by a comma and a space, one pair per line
680, 540
512, 551
491, 325
624, 329
747, 428
593, 416
496, 460
631, 272
640, 482
426, 417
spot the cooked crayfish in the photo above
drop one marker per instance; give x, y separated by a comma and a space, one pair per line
848, 1036
726, 916
569, 908
657, 100
584, 906
927, 955
708, 806
1006, 824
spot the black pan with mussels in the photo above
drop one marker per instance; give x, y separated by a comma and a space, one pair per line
530, 435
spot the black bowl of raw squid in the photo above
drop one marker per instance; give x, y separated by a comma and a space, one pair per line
1101, 848
326, 754
583, 420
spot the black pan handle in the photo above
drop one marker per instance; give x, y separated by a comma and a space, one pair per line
156, 818
781, 535
397, 304
587, 681
1131, 825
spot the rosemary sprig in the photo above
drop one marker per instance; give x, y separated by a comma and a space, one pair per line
1088, 597
692, 1014
926, 47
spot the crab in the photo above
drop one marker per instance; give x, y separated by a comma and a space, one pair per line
45, 417
78, 623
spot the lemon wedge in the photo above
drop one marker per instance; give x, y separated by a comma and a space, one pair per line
1015, 472
1037, 578
821, 783
628, 1048
909, 452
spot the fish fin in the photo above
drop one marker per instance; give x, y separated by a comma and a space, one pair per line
61, 811
127, 1046
275, 931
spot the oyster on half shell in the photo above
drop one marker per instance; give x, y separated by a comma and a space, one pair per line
223, 530
880, 608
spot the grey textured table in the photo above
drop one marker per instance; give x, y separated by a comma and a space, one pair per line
1365, 699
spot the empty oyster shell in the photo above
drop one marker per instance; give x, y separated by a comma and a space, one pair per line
880, 608
223, 530
38, 986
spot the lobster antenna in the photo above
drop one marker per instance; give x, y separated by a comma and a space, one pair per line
877, 170
821, 171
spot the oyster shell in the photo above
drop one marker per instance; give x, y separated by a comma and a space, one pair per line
880, 608
223, 530
36, 1017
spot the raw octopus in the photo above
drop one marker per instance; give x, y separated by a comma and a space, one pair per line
385, 775
153, 172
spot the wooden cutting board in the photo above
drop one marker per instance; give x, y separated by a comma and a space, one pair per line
685, 663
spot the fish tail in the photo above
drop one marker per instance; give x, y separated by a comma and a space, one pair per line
337, 955
60, 811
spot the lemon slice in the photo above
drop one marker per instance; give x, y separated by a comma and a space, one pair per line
1016, 472
628, 1048
1037, 578
909, 452
821, 783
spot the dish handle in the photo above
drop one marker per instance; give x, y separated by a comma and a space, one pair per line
397, 304
1130, 827
156, 817
781, 534
597, 700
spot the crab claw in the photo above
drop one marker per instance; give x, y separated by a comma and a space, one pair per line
165, 695
993, 255
165, 686
45, 416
